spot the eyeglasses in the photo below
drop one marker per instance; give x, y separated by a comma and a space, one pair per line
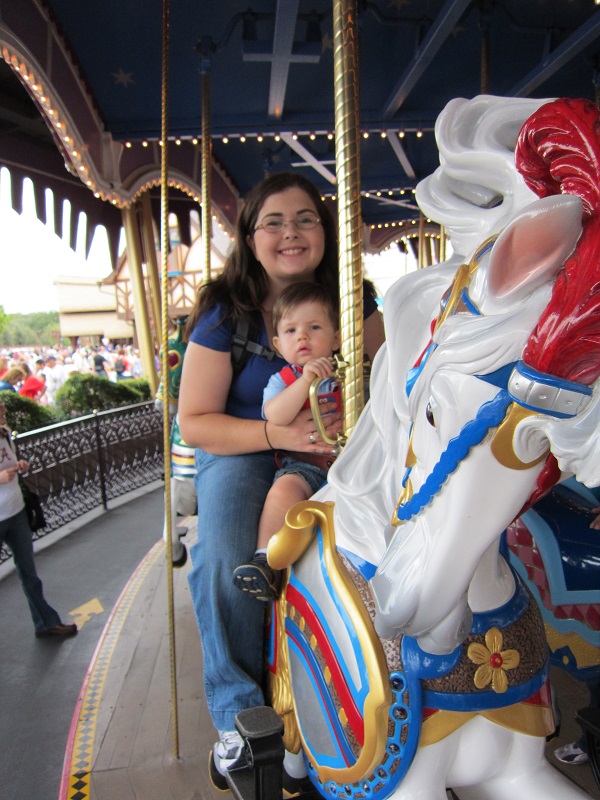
303, 222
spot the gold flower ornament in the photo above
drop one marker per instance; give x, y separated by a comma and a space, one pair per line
493, 661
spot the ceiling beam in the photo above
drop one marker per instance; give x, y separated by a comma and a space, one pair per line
283, 40
400, 152
281, 53
560, 56
386, 201
435, 38
308, 157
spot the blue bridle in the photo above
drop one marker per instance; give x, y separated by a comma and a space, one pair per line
489, 415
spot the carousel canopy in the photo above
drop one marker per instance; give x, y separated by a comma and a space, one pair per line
81, 87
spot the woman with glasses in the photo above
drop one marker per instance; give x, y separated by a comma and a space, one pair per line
284, 235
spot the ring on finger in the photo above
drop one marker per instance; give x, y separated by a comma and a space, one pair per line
312, 438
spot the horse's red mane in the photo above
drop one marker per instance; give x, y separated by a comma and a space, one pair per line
558, 152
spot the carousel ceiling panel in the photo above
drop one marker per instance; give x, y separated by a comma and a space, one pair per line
271, 72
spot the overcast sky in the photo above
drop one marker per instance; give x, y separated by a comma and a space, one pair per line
32, 256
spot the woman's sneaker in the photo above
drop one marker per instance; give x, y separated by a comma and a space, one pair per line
229, 753
571, 754
258, 579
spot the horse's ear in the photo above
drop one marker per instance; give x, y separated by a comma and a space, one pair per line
531, 250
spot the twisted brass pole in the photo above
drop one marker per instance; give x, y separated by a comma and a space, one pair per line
442, 244
485, 61
347, 159
164, 243
206, 172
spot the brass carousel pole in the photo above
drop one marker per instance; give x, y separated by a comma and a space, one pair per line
206, 166
347, 159
484, 57
442, 244
164, 243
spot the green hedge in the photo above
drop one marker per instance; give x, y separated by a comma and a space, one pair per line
82, 394
23, 414
79, 395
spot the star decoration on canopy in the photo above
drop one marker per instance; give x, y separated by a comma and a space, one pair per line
122, 77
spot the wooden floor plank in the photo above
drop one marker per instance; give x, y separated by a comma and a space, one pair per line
116, 689
115, 783
571, 695
135, 754
141, 639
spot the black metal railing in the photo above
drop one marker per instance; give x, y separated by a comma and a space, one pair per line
79, 465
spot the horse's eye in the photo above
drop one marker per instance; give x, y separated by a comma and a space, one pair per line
429, 414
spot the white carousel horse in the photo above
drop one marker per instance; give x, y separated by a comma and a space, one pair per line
413, 656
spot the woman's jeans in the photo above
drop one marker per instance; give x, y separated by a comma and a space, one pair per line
231, 494
15, 531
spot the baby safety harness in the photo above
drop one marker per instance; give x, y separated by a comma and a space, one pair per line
242, 347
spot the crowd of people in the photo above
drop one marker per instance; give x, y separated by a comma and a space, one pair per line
39, 373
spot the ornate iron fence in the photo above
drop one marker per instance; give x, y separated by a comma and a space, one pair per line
79, 465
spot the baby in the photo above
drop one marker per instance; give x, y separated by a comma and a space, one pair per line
307, 331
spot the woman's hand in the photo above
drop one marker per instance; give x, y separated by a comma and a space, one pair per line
22, 466
302, 434
9, 474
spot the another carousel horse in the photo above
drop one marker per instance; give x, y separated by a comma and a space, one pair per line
183, 493
557, 555
407, 655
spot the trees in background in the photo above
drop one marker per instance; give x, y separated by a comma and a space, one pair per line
4, 320
40, 328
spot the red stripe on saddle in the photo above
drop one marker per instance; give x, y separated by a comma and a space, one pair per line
355, 719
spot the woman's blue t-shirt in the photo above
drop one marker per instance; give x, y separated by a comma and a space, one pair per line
246, 393
245, 397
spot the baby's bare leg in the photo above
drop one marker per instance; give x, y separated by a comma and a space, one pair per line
287, 490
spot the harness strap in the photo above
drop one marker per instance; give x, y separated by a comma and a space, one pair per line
547, 394
490, 415
288, 376
242, 347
